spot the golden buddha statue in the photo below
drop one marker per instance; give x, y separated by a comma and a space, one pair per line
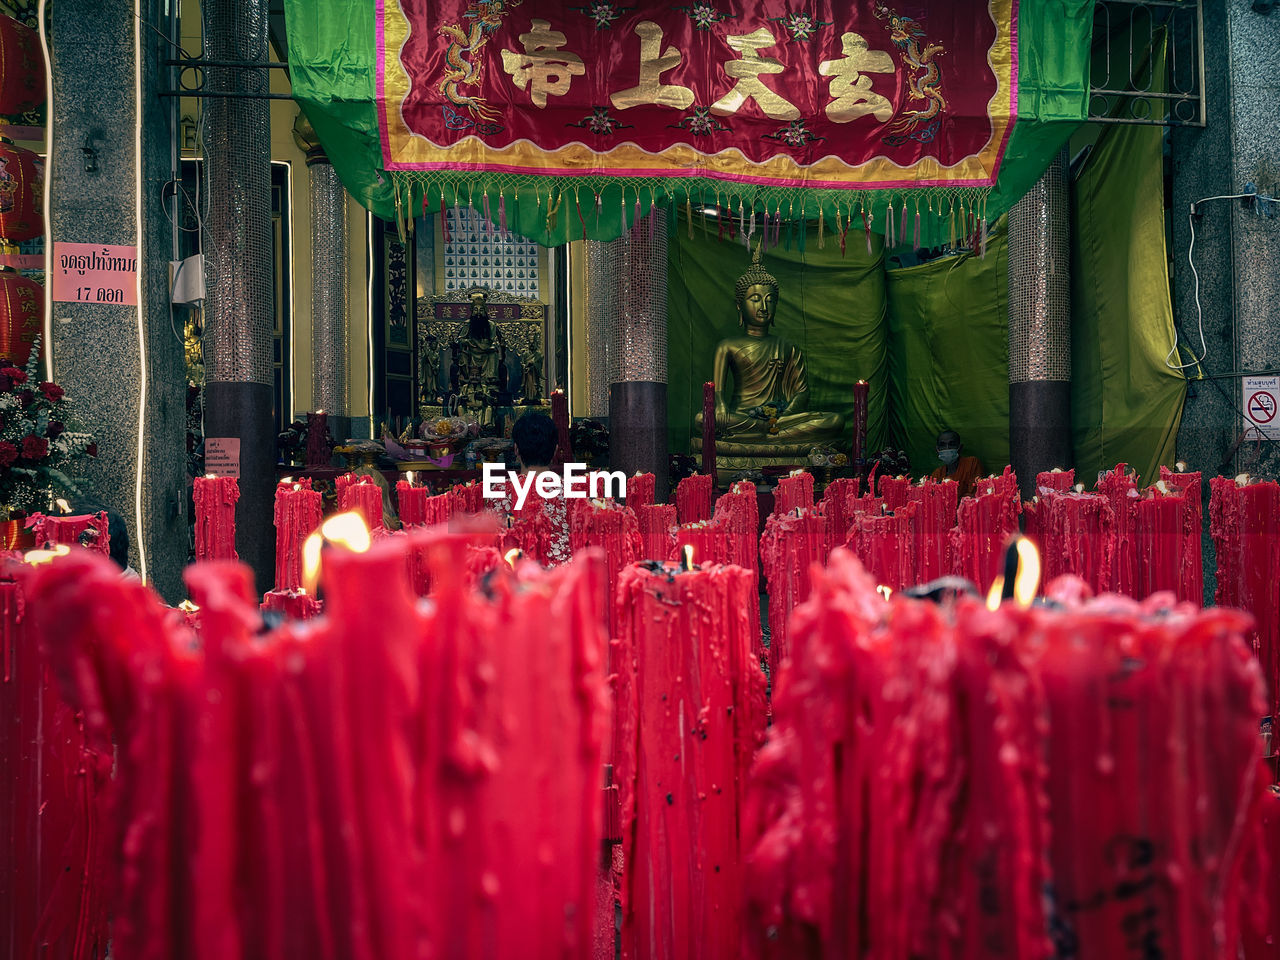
767, 412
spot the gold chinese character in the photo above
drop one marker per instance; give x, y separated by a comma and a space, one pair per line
653, 63
851, 91
543, 68
749, 86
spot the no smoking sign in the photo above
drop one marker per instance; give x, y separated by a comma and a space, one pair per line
1260, 395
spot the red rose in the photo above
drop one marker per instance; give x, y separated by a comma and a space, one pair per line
55, 429
34, 448
14, 374
27, 397
52, 392
8, 453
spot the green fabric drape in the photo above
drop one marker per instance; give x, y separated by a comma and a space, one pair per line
831, 306
1126, 403
948, 354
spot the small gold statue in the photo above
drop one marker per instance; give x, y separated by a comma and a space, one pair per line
767, 413
478, 358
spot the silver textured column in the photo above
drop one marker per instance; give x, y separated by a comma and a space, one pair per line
329, 318
1040, 327
601, 284
637, 354
238, 248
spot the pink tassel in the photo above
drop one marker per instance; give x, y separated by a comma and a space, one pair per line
502, 212
652, 218
915, 243
636, 219
624, 211
444, 219
982, 250
488, 224
764, 236
902, 229
888, 227
777, 225
866, 228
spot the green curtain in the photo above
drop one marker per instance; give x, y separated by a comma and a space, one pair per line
948, 355
831, 305
1126, 402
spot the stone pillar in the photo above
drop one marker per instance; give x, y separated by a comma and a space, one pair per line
638, 352
601, 281
329, 317
238, 327
1236, 249
1040, 328
106, 355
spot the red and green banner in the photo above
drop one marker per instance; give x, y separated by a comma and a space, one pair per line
790, 108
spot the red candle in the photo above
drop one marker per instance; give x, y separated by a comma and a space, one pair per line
298, 512
709, 429
1119, 488
693, 498
793, 493
1191, 586
657, 523
640, 491
560, 416
832, 508
895, 491
613, 530
466, 498
358, 492
985, 524
84, 530
1060, 481
708, 539
319, 451
738, 513
935, 519
1078, 531
1165, 527
790, 546
861, 397
215, 502
886, 545
690, 696
412, 502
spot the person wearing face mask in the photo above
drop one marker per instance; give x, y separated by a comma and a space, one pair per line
965, 471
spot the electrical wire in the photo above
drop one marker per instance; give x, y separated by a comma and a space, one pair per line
1191, 222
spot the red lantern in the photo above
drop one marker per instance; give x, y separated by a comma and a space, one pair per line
21, 315
21, 193
21, 68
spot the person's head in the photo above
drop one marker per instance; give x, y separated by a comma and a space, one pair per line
534, 436
948, 446
756, 295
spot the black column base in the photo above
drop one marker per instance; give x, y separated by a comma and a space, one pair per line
243, 411
638, 431
1039, 430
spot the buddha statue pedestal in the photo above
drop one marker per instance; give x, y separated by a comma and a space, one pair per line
761, 391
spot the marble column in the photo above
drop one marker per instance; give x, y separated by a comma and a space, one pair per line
104, 61
329, 317
1040, 328
238, 327
637, 357
1236, 248
600, 276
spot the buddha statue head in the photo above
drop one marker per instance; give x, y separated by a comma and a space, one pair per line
756, 295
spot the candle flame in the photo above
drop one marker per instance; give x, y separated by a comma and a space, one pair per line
796, 472
686, 560
62, 505
286, 480
186, 606
211, 476
1079, 488
512, 555
1181, 466
319, 413
38, 557
885, 591
1162, 486
1027, 580
408, 475
343, 530
1242, 479
995, 593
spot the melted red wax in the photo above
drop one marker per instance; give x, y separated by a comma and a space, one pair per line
467, 498
793, 493
832, 507
789, 549
691, 697
1078, 536
411, 503
886, 546
640, 491
1059, 480
297, 515
934, 521
358, 492
54, 876
985, 524
656, 523
895, 491
68, 530
1191, 587
1167, 537
1119, 488
964, 783
1245, 525
431, 788
693, 498
294, 605
215, 504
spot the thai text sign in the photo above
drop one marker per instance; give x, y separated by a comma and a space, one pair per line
95, 273
847, 93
